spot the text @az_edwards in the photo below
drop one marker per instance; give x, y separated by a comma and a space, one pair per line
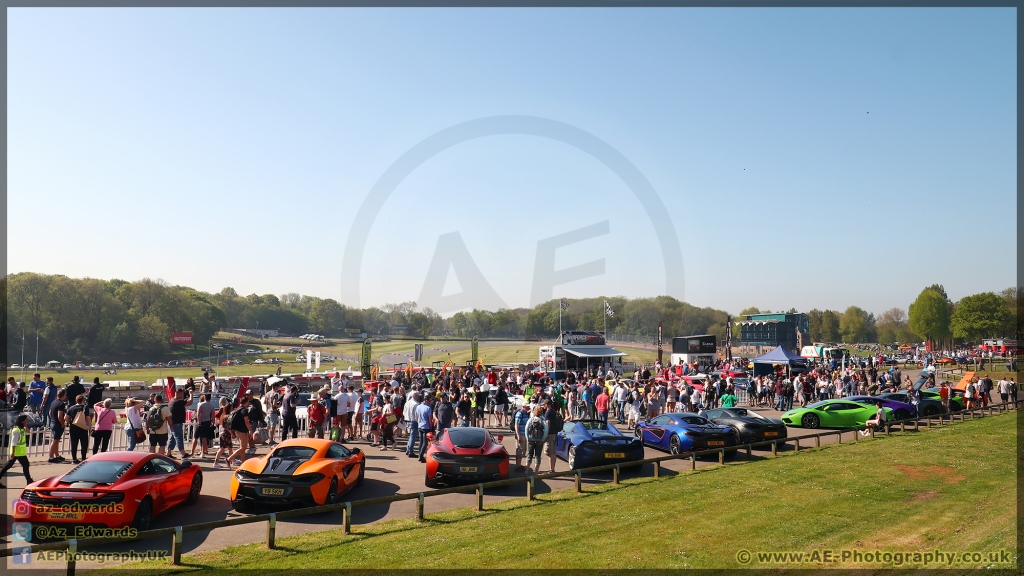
912, 558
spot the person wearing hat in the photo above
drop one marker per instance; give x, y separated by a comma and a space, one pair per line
316, 413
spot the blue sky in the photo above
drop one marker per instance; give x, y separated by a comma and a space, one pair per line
808, 158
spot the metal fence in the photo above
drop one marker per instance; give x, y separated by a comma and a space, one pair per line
177, 532
39, 439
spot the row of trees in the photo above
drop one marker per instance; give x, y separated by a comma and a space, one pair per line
935, 317
86, 318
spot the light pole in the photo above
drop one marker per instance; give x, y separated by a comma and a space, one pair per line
37, 348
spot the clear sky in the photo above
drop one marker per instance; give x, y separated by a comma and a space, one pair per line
809, 158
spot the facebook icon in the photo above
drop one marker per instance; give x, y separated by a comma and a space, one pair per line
23, 555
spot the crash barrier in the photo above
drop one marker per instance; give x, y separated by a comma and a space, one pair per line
177, 532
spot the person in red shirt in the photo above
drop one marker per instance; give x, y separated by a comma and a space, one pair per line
601, 404
317, 414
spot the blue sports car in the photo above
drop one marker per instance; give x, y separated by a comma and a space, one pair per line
685, 432
585, 443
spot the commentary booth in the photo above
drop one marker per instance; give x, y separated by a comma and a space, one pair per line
575, 350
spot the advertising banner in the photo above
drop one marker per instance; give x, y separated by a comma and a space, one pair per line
474, 352
366, 357
181, 338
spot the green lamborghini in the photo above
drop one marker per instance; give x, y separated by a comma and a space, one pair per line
832, 414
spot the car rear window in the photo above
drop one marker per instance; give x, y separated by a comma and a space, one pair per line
303, 452
467, 437
99, 471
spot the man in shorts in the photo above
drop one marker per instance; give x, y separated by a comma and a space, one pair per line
500, 404
272, 402
342, 420
521, 418
553, 416
158, 436
57, 411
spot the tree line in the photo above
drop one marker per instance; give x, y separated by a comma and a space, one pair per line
87, 318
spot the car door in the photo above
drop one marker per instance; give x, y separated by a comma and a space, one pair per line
345, 465
177, 482
562, 439
655, 432
156, 478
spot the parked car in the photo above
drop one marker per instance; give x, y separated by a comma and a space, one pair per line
461, 455
150, 365
298, 472
126, 365
142, 484
592, 442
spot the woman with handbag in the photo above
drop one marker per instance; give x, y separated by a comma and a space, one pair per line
78, 423
389, 419
135, 430
104, 427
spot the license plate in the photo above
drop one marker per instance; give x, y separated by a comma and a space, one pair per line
60, 515
771, 433
467, 468
272, 491
614, 454
716, 442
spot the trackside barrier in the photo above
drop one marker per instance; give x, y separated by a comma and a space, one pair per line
271, 519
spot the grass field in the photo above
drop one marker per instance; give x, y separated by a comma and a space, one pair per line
950, 489
497, 352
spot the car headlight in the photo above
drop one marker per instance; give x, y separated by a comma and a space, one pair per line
310, 478
244, 475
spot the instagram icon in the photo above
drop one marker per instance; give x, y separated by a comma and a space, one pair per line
21, 508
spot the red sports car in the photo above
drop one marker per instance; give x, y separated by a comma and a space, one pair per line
461, 455
107, 493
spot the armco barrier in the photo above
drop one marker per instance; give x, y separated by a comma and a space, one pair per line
177, 532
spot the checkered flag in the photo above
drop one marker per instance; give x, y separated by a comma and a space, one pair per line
608, 309
563, 304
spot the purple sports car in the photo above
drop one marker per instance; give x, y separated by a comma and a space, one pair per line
900, 410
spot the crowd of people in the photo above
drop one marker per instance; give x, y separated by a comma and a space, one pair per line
415, 405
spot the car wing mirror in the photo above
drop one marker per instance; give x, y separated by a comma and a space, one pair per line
185, 465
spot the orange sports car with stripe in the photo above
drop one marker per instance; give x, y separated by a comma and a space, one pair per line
298, 472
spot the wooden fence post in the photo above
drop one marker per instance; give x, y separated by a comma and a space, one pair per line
176, 546
579, 482
480, 497
419, 507
346, 518
271, 530
72, 556
615, 474
657, 469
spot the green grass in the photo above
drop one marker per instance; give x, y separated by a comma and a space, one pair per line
951, 488
491, 352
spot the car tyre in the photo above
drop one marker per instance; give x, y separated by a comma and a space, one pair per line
362, 473
332, 492
901, 414
430, 482
572, 457
931, 411
810, 421
674, 446
195, 489
143, 515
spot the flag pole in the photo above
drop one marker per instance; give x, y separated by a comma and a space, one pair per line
604, 315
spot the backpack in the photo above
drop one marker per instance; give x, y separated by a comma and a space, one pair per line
556, 422
535, 430
154, 419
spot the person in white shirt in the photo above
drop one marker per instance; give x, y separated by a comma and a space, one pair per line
352, 400
335, 385
215, 387
409, 412
341, 400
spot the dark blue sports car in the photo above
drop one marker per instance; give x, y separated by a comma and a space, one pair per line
685, 432
585, 443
